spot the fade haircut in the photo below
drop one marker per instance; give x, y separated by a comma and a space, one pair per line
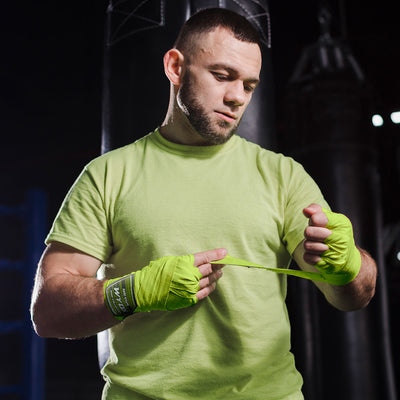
209, 19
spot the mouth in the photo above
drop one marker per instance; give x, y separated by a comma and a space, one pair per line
226, 116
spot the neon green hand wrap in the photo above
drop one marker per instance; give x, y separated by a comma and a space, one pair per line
341, 263
168, 283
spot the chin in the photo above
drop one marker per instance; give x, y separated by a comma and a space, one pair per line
214, 138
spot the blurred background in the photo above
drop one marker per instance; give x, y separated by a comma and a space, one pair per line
51, 73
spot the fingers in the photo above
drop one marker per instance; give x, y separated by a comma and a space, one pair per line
315, 234
311, 209
202, 261
316, 216
210, 279
208, 284
312, 259
313, 251
202, 293
211, 272
314, 244
315, 247
211, 255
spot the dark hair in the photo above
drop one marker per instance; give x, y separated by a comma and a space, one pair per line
207, 20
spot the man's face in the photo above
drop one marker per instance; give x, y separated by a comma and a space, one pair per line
218, 83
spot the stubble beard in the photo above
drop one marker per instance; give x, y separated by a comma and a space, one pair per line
198, 117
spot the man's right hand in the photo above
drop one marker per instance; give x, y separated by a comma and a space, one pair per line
168, 283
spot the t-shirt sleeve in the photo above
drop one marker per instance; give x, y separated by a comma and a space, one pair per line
301, 191
82, 220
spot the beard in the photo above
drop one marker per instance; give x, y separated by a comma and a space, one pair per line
198, 118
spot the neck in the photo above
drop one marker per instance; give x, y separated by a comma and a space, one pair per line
177, 129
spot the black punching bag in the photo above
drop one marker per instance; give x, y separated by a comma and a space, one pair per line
341, 355
135, 88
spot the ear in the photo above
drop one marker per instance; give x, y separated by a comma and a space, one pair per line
173, 65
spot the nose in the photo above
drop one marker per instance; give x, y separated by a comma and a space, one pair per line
235, 94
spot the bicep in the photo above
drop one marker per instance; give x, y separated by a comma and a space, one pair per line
59, 258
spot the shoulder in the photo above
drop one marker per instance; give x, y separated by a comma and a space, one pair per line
269, 160
121, 157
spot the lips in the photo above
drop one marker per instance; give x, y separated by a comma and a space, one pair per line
226, 116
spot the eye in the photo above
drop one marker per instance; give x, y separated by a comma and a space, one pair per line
220, 77
249, 88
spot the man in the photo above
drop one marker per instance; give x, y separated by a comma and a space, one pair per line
190, 186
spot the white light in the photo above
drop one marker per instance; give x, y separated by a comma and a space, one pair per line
377, 120
398, 255
395, 117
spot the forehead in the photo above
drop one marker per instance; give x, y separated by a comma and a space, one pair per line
221, 47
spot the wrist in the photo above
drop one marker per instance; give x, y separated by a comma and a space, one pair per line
167, 284
119, 296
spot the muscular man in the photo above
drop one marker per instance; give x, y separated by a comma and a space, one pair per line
114, 257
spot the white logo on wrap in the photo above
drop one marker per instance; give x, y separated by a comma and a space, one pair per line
118, 299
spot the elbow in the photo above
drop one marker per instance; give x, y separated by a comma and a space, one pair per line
354, 301
38, 324
354, 305
40, 321
365, 298
40, 331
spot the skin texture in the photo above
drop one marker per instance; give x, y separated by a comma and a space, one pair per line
68, 300
212, 90
211, 93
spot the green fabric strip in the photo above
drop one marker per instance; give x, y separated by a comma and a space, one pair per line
333, 279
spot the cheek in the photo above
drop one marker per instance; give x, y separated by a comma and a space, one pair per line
213, 95
247, 102
208, 90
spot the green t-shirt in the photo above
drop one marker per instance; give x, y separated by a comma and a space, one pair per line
154, 198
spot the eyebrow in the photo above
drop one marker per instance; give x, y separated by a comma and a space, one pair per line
232, 71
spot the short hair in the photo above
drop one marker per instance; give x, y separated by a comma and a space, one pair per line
207, 20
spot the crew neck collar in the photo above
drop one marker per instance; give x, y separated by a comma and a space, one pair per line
193, 151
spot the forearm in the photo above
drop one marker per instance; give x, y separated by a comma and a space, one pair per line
70, 306
358, 293
69, 302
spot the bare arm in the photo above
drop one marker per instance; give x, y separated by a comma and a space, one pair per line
356, 294
68, 299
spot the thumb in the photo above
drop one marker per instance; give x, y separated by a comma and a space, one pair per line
316, 215
211, 255
311, 210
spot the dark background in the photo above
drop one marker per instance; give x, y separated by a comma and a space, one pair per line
50, 119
